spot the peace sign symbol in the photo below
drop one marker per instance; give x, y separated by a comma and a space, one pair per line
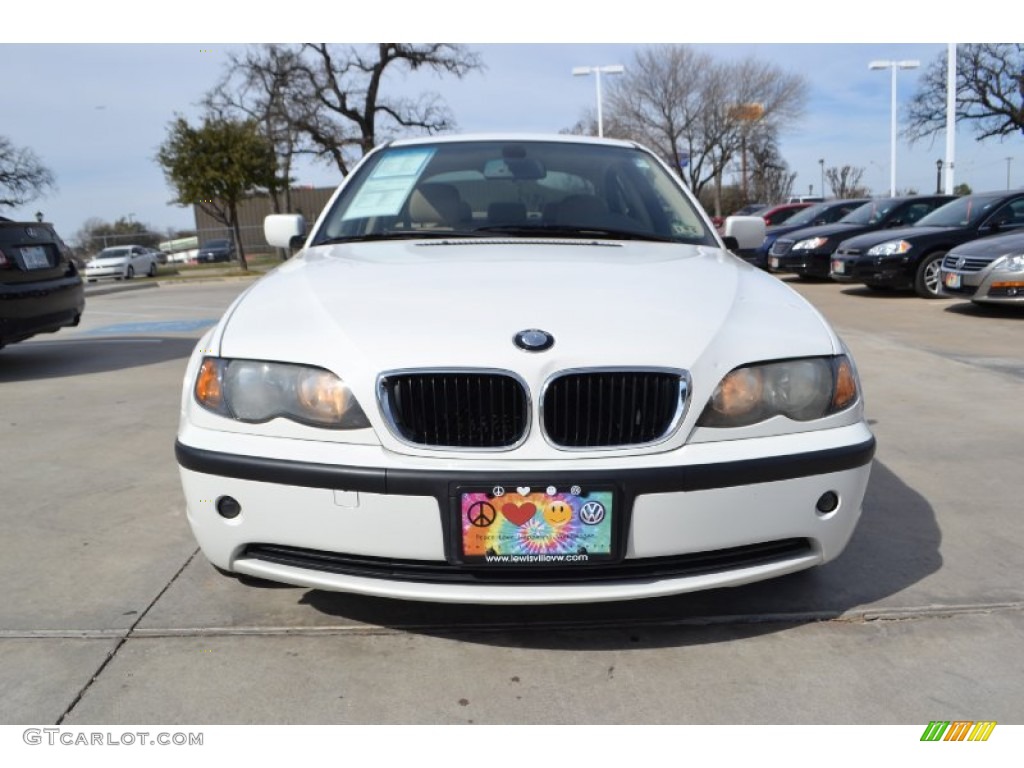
481, 514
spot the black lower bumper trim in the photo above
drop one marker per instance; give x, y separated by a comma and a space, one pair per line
441, 483
651, 568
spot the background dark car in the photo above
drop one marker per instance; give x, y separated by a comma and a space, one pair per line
216, 250
808, 252
40, 288
819, 213
911, 257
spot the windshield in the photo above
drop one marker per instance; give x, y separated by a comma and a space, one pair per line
113, 253
871, 212
513, 189
807, 215
962, 212
216, 244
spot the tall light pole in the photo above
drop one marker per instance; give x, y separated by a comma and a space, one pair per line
893, 66
821, 162
610, 69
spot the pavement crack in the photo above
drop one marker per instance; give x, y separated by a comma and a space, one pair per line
124, 639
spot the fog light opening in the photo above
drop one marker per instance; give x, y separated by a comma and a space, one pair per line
228, 507
829, 502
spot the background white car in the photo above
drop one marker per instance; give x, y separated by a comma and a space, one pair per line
519, 370
122, 262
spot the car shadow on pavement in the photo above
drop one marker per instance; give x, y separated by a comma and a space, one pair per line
895, 545
880, 293
985, 311
82, 355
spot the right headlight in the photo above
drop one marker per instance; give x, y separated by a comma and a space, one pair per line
1009, 263
802, 390
890, 248
810, 243
256, 391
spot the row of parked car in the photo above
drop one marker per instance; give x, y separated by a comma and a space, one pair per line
969, 247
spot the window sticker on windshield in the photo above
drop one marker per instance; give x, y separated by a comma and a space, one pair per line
390, 183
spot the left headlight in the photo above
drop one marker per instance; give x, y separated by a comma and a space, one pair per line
891, 248
810, 243
256, 391
1009, 263
802, 390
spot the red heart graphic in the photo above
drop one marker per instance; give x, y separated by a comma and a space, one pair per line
519, 513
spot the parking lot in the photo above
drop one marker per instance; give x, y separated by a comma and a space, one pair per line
111, 616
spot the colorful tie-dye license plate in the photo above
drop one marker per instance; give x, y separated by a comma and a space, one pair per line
545, 526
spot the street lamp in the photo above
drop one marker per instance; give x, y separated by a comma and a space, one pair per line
938, 176
610, 69
893, 66
821, 162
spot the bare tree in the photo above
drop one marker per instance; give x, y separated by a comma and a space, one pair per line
349, 111
23, 177
698, 114
259, 84
844, 181
989, 92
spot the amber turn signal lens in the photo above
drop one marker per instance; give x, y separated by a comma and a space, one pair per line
208, 389
846, 385
740, 392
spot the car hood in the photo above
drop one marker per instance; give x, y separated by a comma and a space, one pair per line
871, 239
365, 308
108, 260
997, 245
826, 230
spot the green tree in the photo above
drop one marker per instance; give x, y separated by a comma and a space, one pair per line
23, 177
217, 166
96, 234
962, 189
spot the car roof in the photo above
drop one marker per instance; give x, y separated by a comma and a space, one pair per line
455, 138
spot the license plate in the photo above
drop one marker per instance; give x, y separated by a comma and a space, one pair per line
34, 257
838, 266
773, 262
548, 525
951, 281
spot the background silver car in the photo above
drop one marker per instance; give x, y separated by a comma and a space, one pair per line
989, 270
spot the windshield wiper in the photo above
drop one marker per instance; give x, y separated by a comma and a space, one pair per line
421, 234
561, 230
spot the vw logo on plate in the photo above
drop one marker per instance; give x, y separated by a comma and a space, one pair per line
533, 340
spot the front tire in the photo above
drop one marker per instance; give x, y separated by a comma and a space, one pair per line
928, 280
129, 273
152, 270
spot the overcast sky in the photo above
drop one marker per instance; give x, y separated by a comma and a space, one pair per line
95, 107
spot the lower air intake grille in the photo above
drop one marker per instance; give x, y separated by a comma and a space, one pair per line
456, 410
603, 409
694, 564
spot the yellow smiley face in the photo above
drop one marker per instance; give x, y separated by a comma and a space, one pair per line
557, 513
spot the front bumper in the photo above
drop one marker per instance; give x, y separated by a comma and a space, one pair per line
889, 271
96, 273
984, 287
27, 309
722, 514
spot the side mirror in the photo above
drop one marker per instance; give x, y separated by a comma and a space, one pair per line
746, 231
285, 230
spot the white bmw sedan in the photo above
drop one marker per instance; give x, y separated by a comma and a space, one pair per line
509, 369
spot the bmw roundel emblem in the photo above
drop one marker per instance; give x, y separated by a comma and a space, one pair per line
533, 340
